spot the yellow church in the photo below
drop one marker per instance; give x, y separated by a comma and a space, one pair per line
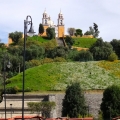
47, 22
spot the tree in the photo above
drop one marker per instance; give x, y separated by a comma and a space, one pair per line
87, 33
69, 41
34, 52
71, 31
84, 55
101, 50
59, 51
110, 105
113, 57
90, 31
15, 36
96, 33
116, 46
79, 32
93, 31
2, 47
50, 33
72, 53
41, 29
74, 101
95, 27
41, 107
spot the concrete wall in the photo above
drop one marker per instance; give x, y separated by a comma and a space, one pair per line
93, 100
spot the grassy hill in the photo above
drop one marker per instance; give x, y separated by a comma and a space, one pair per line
84, 42
79, 42
39, 38
56, 76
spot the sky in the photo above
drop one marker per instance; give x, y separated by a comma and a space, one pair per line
79, 14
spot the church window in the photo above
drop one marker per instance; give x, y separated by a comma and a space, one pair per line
45, 21
61, 22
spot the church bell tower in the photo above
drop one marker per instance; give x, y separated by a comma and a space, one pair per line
45, 22
60, 25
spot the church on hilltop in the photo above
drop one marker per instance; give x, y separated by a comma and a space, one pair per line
47, 22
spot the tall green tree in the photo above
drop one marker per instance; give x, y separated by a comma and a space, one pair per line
110, 105
69, 41
74, 101
101, 50
116, 46
50, 33
78, 32
15, 36
41, 29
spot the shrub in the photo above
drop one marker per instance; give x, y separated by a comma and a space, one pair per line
84, 55
46, 60
113, 57
32, 63
59, 59
28, 89
12, 90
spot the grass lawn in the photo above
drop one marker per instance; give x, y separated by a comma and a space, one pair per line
84, 42
39, 38
56, 76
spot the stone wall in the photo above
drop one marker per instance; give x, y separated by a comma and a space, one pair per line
93, 100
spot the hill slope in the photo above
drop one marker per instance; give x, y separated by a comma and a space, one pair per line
84, 42
56, 76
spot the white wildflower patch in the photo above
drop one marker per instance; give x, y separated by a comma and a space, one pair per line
88, 74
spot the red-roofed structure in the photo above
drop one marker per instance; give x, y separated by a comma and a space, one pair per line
42, 118
25, 118
116, 118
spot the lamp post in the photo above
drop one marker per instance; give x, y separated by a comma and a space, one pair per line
11, 109
110, 111
5, 64
88, 110
29, 33
19, 67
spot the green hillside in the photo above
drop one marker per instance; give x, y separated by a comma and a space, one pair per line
56, 76
39, 38
84, 42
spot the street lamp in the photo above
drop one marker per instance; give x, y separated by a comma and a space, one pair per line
5, 64
110, 111
29, 33
11, 109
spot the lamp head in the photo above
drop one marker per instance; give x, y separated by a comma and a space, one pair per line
8, 64
31, 31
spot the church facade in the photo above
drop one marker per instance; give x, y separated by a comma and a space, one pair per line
47, 22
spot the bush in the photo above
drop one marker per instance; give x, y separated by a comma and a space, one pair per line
28, 89
32, 63
113, 57
84, 55
59, 59
46, 60
12, 90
